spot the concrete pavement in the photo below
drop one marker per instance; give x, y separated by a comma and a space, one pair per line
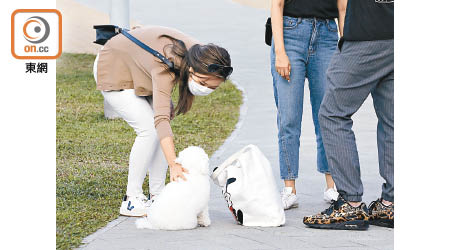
240, 29
78, 34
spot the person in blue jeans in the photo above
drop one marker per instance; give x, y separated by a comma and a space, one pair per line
305, 36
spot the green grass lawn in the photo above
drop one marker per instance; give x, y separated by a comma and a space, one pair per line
92, 152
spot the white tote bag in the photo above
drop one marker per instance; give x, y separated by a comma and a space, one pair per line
249, 188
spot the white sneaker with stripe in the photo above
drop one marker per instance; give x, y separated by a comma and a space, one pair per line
135, 206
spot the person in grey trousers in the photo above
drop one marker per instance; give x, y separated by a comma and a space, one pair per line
363, 64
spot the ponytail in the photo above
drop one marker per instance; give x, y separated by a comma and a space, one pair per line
181, 73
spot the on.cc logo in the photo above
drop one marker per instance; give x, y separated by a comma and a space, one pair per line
36, 29
36, 34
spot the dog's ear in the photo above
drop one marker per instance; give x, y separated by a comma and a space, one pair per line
194, 159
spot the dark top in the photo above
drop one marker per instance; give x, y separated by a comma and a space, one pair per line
368, 20
326, 9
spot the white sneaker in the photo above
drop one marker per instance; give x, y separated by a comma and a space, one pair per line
330, 194
135, 206
288, 199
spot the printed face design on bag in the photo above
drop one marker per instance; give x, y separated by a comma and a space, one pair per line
238, 215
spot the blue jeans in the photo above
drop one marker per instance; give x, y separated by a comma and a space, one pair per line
310, 44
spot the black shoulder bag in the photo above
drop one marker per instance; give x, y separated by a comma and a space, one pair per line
269, 31
106, 32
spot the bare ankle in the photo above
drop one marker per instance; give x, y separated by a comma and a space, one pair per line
354, 203
329, 181
291, 184
386, 203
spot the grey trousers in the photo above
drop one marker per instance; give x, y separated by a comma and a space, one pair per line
360, 68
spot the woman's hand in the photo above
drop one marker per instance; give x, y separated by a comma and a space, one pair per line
176, 171
283, 65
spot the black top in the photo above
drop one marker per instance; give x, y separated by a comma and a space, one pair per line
326, 9
368, 20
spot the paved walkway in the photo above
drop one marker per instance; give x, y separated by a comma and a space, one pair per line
77, 26
241, 30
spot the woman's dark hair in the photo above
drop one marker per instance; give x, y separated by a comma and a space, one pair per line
198, 57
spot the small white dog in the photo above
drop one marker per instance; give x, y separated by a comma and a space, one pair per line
183, 204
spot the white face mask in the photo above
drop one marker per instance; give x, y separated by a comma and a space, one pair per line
198, 89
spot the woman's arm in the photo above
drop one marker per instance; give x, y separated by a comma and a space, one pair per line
342, 7
176, 170
162, 89
282, 64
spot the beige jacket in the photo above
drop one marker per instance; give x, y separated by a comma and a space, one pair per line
124, 65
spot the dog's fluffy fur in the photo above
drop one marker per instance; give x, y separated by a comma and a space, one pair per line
183, 204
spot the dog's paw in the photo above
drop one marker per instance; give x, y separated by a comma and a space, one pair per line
204, 222
203, 225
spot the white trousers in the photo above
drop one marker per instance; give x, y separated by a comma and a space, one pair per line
146, 154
